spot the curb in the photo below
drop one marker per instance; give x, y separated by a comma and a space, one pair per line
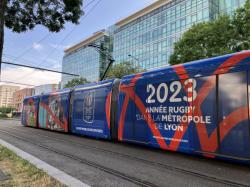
59, 175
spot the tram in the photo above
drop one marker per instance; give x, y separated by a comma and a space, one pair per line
200, 108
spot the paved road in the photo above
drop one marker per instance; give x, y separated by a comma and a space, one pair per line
104, 163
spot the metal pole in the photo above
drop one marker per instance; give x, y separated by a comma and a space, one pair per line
109, 65
110, 58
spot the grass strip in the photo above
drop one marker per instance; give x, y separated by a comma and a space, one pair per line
23, 174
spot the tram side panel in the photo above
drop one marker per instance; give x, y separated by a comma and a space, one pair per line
181, 108
54, 111
222, 100
30, 111
168, 110
91, 107
159, 108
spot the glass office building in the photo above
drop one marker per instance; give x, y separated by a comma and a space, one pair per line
88, 62
145, 38
228, 6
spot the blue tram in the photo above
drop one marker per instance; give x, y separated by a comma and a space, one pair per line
53, 112
92, 107
200, 108
30, 111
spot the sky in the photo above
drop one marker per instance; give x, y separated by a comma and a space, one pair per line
42, 48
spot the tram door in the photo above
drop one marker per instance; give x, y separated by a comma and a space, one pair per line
140, 128
233, 114
205, 131
126, 115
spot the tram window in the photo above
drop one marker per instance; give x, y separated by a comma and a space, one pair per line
232, 92
233, 114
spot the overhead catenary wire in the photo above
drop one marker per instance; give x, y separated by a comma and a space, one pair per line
11, 57
70, 32
17, 83
39, 68
107, 54
42, 39
19, 56
31, 47
47, 35
27, 62
92, 8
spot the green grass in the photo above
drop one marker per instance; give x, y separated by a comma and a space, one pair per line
22, 173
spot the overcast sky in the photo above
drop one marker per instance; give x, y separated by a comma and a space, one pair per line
41, 48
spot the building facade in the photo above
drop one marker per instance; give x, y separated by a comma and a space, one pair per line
45, 88
146, 38
228, 6
18, 97
149, 34
88, 62
6, 95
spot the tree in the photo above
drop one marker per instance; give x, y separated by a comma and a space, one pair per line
23, 15
204, 40
214, 38
75, 82
122, 69
6, 110
241, 24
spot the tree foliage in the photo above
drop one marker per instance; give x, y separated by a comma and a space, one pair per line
75, 82
241, 24
6, 110
23, 15
218, 37
122, 69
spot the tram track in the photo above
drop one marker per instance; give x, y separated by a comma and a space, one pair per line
148, 162
84, 161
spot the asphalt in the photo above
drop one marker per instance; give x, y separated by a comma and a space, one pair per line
104, 163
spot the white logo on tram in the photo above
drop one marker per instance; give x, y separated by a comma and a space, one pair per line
89, 107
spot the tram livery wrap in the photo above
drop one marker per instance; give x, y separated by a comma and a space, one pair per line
200, 108
54, 111
30, 111
91, 109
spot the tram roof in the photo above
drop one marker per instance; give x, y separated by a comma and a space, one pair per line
94, 85
193, 66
